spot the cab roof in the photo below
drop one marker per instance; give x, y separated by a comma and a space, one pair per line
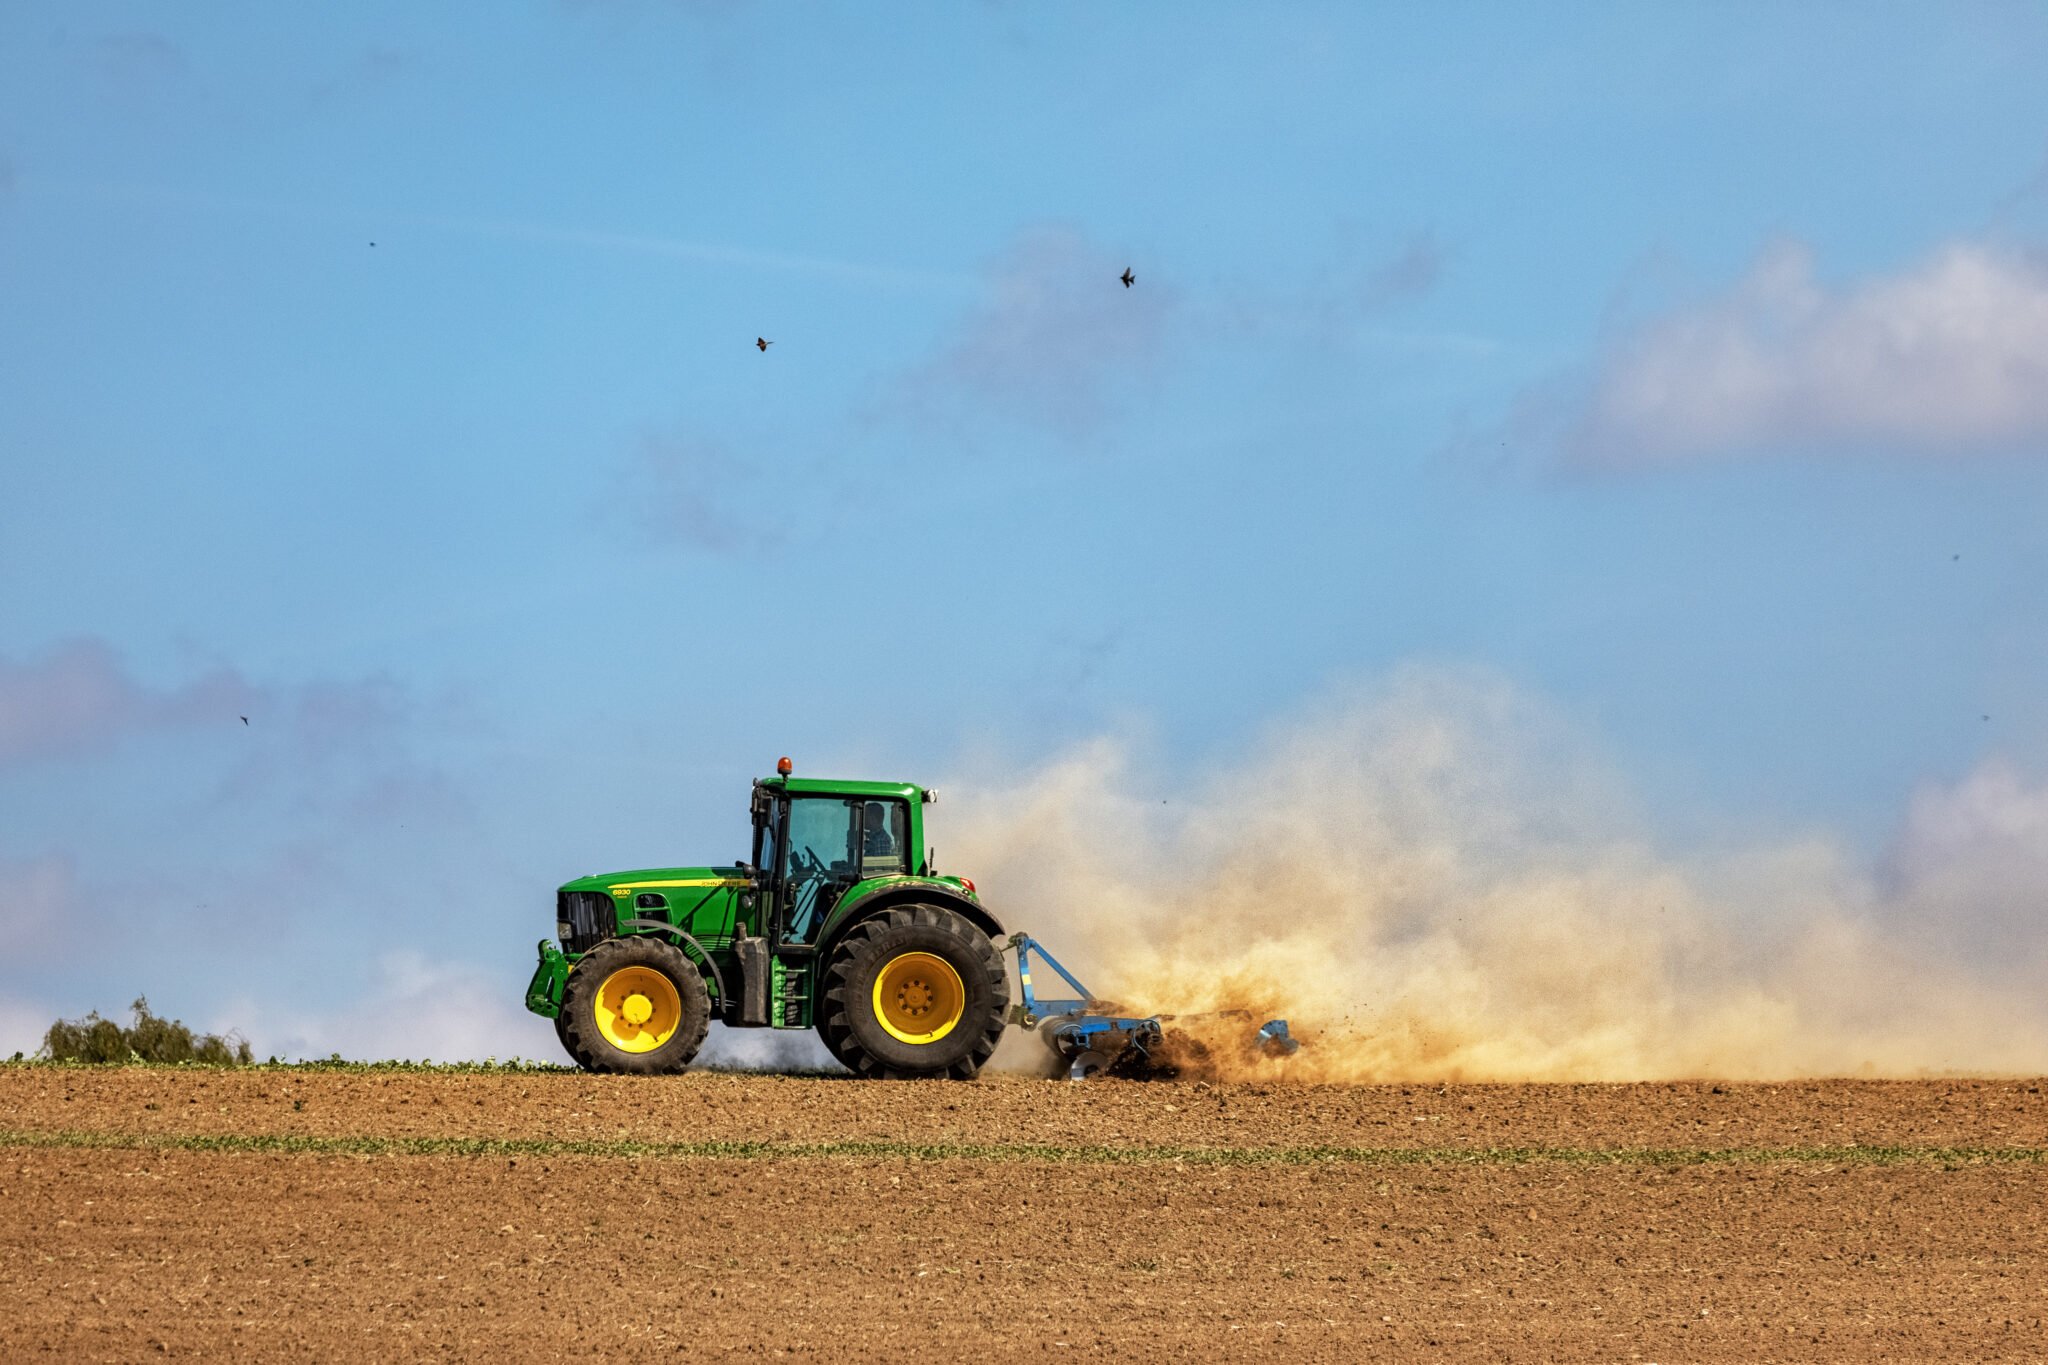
828, 786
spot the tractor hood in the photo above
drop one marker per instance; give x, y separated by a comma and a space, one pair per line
658, 878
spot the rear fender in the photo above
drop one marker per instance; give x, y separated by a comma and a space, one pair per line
903, 891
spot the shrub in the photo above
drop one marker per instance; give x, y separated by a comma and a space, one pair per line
93, 1039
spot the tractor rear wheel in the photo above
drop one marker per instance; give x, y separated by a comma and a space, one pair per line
636, 1006
915, 992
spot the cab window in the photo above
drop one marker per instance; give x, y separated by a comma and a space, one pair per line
832, 843
884, 837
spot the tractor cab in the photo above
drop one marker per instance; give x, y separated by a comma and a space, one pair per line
814, 842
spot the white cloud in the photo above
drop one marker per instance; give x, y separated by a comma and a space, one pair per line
22, 1025
39, 902
81, 697
327, 741
1354, 284
1056, 342
1410, 274
1053, 340
1993, 808
417, 1010
696, 491
1949, 356
1971, 865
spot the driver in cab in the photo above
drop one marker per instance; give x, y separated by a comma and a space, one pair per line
877, 841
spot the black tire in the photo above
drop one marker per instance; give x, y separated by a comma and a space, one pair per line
847, 1018
584, 1035
844, 1058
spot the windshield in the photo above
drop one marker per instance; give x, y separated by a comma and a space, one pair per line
820, 835
820, 851
834, 842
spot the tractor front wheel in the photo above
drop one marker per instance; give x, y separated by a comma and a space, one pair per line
635, 1006
917, 991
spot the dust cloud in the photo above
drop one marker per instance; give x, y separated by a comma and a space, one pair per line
1437, 880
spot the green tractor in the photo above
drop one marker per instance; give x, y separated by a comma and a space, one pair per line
838, 923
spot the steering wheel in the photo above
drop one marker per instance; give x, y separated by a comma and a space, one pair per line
808, 863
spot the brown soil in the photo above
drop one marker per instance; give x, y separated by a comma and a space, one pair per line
715, 1106
122, 1253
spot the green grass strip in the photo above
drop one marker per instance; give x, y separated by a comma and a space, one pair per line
1090, 1154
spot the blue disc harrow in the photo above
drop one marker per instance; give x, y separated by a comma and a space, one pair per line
1090, 1036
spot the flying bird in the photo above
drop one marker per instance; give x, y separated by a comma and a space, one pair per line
763, 343
245, 720
1127, 277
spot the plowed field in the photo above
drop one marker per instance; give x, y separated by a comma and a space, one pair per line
281, 1213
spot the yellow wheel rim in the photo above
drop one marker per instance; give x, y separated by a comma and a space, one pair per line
919, 998
638, 1009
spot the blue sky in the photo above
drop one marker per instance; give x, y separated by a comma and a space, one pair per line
1687, 369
